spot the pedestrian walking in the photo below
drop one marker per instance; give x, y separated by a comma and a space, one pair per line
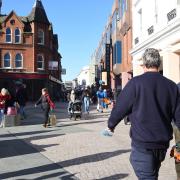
71, 99
21, 99
105, 99
151, 101
4, 98
46, 105
86, 100
100, 97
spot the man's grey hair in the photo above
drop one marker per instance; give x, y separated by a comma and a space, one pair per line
151, 58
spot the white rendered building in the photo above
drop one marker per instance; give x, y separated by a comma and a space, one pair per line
156, 24
84, 76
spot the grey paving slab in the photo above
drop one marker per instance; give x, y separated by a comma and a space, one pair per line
18, 160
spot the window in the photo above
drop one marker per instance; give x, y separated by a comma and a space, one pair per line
40, 62
8, 35
17, 35
7, 60
117, 53
18, 60
140, 19
40, 36
123, 6
114, 22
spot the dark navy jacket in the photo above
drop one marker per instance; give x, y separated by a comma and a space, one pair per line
152, 102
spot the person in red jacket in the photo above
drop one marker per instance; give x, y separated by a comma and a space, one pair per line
46, 105
4, 97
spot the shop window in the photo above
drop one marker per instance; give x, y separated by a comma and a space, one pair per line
8, 35
40, 62
18, 61
7, 60
41, 37
17, 35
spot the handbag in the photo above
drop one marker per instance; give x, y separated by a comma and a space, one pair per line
11, 111
52, 119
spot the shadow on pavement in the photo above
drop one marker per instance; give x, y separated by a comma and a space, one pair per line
43, 137
115, 177
78, 123
40, 169
59, 174
25, 133
17, 147
92, 158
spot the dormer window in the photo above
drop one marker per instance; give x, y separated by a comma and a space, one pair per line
8, 35
17, 35
12, 21
41, 37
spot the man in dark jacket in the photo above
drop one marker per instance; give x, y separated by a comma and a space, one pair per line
21, 99
151, 101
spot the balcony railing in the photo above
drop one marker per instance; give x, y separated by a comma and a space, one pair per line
171, 15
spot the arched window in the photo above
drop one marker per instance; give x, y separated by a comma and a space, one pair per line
40, 36
18, 60
17, 35
7, 60
8, 35
40, 62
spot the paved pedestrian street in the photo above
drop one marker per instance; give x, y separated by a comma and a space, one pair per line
71, 150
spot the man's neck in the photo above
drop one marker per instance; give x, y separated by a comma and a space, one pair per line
150, 69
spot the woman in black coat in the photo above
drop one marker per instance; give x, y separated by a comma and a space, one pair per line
46, 105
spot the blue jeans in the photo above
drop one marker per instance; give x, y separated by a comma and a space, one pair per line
146, 162
86, 104
1, 116
21, 111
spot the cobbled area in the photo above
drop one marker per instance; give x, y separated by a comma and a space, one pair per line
81, 149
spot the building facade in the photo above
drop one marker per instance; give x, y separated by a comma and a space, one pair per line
156, 24
83, 79
29, 52
114, 62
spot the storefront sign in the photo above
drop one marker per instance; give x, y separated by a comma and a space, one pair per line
63, 71
107, 58
55, 80
104, 78
53, 65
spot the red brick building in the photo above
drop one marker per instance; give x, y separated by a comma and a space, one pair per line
29, 52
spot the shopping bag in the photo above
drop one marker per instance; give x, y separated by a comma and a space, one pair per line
107, 101
52, 119
11, 111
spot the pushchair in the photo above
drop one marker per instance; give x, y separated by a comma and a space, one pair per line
75, 109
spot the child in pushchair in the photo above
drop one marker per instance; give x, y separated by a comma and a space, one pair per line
75, 109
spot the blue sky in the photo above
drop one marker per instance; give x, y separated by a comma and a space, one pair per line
78, 23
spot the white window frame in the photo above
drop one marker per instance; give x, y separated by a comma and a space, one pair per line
21, 61
17, 35
41, 36
39, 61
9, 61
9, 35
